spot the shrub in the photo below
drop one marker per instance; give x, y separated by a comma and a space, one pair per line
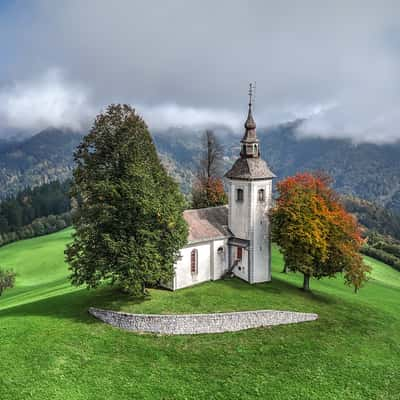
7, 280
381, 255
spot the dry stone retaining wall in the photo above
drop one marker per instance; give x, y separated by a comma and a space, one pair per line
188, 324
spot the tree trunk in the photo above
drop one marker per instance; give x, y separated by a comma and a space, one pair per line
285, 269
306, 283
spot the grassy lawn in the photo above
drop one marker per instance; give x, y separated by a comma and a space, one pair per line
50, 348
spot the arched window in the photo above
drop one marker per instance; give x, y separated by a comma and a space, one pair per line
261, 195
194, 262
239, 195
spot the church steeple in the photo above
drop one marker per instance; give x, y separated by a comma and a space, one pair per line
250, 165
250, 144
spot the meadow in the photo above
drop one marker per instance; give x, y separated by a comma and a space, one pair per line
51, 348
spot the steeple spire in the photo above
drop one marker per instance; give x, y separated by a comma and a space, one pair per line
250, 146
250, 166
250, 124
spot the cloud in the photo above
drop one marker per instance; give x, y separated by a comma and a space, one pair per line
189, 62
46, 101
171, 115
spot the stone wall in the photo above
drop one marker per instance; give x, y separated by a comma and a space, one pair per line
188, 324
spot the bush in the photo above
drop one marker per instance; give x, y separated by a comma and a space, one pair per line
40, 226
382, 255
7, 280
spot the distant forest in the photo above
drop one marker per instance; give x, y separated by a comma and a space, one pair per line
35, 212
47, 208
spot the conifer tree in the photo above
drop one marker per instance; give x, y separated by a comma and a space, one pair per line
128, 220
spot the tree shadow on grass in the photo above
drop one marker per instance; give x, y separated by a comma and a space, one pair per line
279, 285
71, 305
75, 303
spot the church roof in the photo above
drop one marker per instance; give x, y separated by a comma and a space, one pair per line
207, 223
249, 169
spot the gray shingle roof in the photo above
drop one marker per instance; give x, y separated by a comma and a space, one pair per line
207, 223
250, 168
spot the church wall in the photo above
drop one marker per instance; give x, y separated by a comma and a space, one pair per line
220, 258
242, 269
249, 220
211, 263
183, 274
239, 211
260, 241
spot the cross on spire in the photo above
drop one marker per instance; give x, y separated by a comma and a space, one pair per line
252, 88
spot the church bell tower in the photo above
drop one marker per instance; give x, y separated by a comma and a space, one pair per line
250, 199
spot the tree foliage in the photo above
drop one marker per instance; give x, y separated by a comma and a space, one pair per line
38, 227
317, 236
7, 280
129, 223
208, 188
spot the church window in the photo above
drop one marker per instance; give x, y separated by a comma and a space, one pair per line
194, 262
261, 195
239, 253
239, 195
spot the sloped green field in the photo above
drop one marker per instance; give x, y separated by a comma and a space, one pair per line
50, 348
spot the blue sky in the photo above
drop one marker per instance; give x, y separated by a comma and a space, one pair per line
188, 63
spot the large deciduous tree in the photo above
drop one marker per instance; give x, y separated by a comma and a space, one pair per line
316, 235
128, 220
208, 188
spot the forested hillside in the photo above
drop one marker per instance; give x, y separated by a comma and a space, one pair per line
40, 159
35, 212
368, 171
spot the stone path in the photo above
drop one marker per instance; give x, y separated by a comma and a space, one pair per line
189, 324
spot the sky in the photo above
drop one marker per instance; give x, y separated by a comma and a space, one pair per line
188, 63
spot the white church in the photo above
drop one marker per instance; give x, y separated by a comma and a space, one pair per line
232, 239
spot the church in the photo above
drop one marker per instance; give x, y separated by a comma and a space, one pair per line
233, 239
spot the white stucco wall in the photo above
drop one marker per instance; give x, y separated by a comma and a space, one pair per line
220, 259
242, 269
261, 257
211, 264
249, 220
239, 211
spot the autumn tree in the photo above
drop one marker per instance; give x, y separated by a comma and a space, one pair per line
316, 235
208, 188
128, 218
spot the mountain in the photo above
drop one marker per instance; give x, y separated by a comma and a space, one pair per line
368, 171
42, 158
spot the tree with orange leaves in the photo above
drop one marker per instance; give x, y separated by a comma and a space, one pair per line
316, 235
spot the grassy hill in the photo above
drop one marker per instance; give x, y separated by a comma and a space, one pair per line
50, 348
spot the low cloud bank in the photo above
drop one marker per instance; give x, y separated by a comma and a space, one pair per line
49, 100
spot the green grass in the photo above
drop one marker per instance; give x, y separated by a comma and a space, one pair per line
50, 348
